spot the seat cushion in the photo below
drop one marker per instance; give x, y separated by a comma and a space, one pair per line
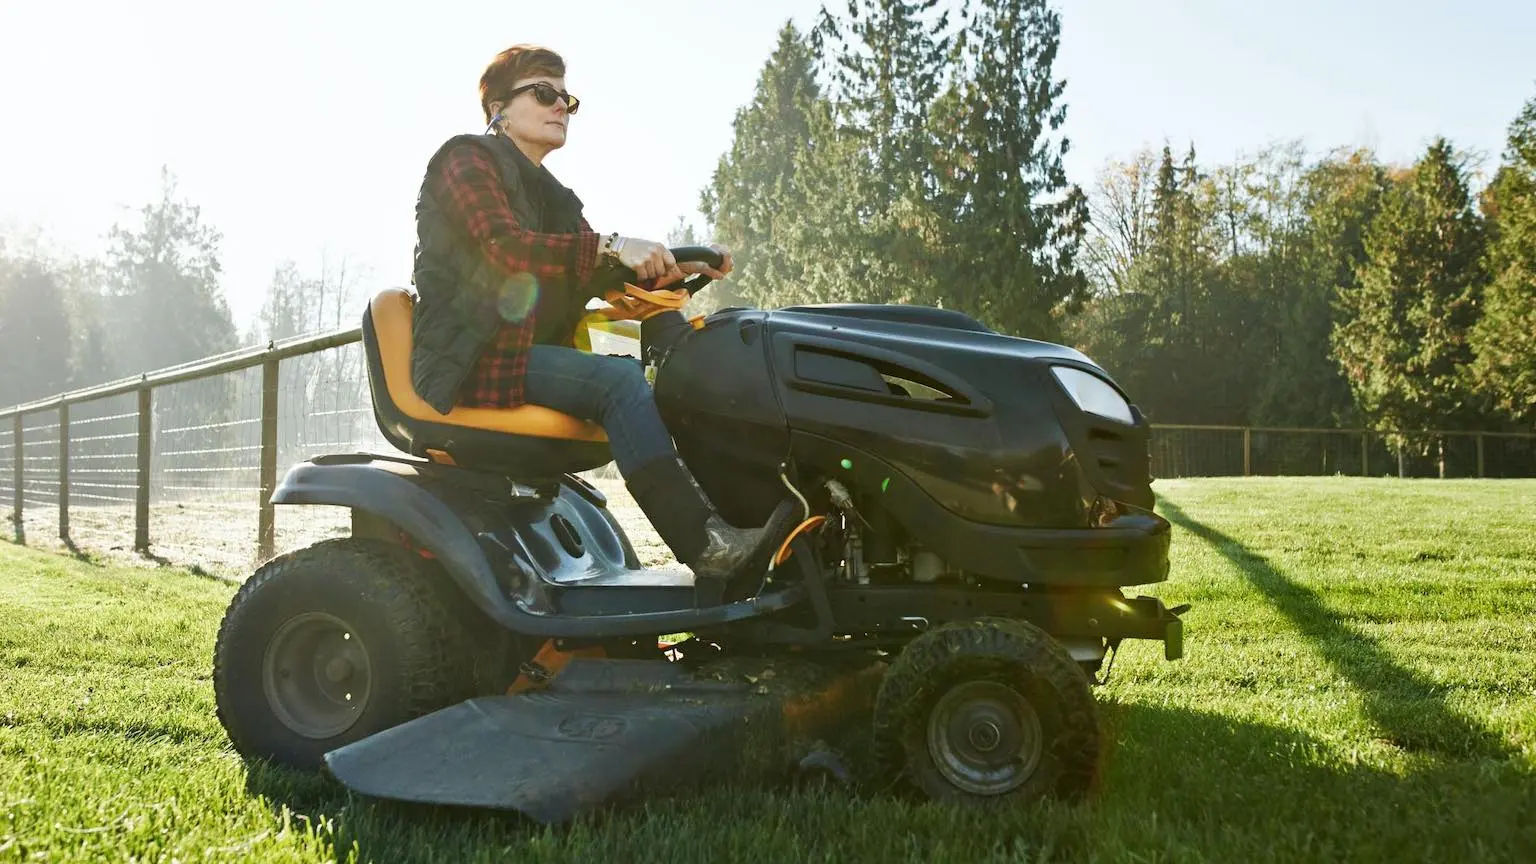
391, 312
529, 442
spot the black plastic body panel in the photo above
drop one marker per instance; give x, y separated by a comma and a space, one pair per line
1131, 549
499, 542
495, 539
1077, 614
958, 437
717, 395
974, 418
947, 318
1114, 457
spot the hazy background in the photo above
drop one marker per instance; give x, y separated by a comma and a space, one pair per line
301, 129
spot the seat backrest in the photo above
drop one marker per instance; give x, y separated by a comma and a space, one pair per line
387, 345
528, 438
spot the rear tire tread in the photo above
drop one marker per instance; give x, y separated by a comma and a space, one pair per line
432, 669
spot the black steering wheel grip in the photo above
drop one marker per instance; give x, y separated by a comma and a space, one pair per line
683, 255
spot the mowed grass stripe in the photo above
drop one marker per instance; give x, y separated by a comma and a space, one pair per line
1358, 686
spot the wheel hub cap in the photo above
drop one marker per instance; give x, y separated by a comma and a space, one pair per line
339, 669
316, 675
985, 737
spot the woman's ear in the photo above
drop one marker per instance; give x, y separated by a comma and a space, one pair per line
495, 112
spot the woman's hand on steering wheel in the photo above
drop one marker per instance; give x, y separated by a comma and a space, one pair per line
649, 260
691, 267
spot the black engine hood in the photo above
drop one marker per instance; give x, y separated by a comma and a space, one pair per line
923, 326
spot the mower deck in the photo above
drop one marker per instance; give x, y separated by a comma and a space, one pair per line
609, 732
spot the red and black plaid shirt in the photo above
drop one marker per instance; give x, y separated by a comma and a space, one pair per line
473, 200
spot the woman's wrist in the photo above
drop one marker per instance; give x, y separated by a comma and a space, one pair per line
609, 246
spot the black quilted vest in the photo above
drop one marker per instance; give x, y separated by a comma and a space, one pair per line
462, 301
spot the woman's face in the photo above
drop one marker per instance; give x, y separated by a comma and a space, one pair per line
528, 121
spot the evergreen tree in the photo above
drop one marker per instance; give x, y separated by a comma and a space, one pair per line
1130, 332
1300, 219
164, 297
888, 67
1111, 327
1013, 225
167, 308
1505, 338
840, 248
35, 332
82, 280
755, 198
1223, 312
1162, 277
1402, 336
871, 181
1340, 197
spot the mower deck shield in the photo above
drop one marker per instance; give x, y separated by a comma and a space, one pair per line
605, 732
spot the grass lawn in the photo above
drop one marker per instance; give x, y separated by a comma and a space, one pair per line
1357, 686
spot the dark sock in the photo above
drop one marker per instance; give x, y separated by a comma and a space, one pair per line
675, 506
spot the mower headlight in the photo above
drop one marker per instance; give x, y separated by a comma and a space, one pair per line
1093, 394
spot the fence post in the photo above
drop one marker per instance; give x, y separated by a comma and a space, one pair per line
18, 471
265, 523
63, 470
1247, 451
141, 500
1480, 455
1365, 453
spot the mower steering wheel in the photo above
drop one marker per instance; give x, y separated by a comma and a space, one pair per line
686, 254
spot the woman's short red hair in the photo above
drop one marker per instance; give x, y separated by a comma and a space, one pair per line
513, 65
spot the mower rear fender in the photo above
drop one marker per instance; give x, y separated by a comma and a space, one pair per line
436, 505
392, 491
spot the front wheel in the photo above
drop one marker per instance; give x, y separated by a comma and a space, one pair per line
991, 711
327, 645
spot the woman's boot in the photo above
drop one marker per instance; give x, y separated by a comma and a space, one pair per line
714, 549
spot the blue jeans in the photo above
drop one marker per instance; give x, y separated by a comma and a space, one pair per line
610, 391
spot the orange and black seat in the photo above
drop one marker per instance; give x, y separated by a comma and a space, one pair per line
528, 441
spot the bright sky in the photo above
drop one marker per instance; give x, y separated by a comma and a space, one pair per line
301, 128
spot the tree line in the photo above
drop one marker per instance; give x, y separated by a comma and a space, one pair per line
905, 152
153, 299
908, 151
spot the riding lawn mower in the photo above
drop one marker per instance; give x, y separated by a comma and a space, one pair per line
953, 516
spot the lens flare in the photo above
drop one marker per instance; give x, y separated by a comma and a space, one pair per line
518, 296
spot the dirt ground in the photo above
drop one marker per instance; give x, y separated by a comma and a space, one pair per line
219, 537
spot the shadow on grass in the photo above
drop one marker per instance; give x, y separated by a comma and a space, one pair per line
107, 558
70, 547
1178, 784
79, 554
1410, 710
381, 830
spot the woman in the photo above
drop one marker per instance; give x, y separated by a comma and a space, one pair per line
504, 266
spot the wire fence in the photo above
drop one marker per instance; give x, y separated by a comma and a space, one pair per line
178, 465
1235, 451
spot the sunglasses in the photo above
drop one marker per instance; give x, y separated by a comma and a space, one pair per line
547, 96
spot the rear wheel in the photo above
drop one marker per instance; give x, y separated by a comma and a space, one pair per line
330, 644
991, 711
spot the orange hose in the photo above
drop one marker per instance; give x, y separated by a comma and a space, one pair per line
783, 554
